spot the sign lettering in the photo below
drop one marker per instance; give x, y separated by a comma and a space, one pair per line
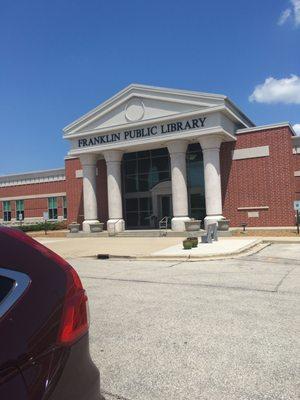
153, 130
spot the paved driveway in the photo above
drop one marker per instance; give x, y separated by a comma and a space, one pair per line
197, 330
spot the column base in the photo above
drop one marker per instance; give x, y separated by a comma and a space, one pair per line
211, 219
86, 225
178, 223
115, 226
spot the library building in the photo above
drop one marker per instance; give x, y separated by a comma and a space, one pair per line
151, 154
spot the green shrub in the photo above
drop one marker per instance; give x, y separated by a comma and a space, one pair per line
41, 226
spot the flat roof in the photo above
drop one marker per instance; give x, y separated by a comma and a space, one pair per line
264, 127
33, 174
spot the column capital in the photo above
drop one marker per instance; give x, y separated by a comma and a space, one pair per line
177, 146
211, 142
88, 159
113, 155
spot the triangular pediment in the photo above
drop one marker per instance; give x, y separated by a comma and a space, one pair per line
142, 103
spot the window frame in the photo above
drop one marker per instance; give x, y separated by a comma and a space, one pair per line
20, 210
52, 208
6, 212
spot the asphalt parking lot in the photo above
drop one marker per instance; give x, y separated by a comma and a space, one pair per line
196, 330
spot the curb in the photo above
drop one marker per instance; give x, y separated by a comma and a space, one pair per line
249, 249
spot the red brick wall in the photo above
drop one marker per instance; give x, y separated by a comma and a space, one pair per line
265, 181
74, 191
296, 158
33, 207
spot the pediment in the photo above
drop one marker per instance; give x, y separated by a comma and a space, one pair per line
142, 103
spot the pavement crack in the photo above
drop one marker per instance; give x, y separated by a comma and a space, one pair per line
204, 285
178, 263
115, 396
272, 260
282, 279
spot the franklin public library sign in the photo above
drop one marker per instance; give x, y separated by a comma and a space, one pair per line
153, 130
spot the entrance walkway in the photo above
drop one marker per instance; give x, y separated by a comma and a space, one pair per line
154, 247
216, 249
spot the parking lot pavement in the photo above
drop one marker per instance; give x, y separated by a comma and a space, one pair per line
196, 330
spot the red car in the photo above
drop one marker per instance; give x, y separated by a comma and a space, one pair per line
44, 343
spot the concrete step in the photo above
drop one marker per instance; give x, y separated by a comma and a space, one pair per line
169, 233
145, 233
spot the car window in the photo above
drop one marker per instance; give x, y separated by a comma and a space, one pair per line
6, 284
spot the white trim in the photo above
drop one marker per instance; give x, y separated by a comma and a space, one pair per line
70, 158
137, 87
33, 196
253, 214
297, 173
138, 124
251, 152
51, 175
159, 93
296, 150
253, 208
135, 144
265, 127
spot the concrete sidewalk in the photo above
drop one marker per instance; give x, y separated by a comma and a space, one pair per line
223, 247
156, 248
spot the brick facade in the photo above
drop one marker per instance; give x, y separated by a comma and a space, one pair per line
260, 182
74, 191
266, 186
38, 201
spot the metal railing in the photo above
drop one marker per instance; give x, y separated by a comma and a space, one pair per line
163, 225
113, 233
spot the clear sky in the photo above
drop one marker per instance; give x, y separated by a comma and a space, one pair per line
60, 58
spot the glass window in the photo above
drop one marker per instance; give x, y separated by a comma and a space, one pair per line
143, 183
160, 164
129, 156
144, 203
138, 212
65, 208
131, 184
130, 167
143, 154
131, 204
141, 172
52, 207
160, 152
195, 178
143, 165
20, 210
6, 211
6, 284
132, 219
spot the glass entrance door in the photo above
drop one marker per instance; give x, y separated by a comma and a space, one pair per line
141, 172
165, 206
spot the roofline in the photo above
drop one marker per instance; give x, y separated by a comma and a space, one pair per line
55, 171
265, 127
239, 111
158, 89
223, 108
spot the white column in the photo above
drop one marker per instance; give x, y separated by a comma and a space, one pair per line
88, 162
177, 150
213, 194
116, 222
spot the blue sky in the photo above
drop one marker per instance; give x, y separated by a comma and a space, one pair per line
59, 59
